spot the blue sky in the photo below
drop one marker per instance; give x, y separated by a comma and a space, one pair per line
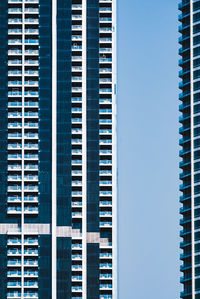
148, 149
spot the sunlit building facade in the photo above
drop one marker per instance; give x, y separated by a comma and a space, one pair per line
58, 190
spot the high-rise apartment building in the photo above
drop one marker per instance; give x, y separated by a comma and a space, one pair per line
58, 195
190, 142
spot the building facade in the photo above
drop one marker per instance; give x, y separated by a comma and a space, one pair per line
58, 194
190, 143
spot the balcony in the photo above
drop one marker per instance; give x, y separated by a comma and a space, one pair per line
105, 19
76, 17
31, 114
14, 156
76, 162
106, 255
105, 204
31, 295
30, 273
31, 167
31, 156
14, 284
31, 241
31, 42
105, 9
16, 51
184, 186
14, 104
13, 252
31, 104
14, 167
14, 125
31, 188
76, 214
105, 172
185, 294
31, 9
185, 266
16, 10
31, 263
106, 266
183, 4
31, 31
31, 177
15, 62
31, 146
76, 257
105, 276
31, 125
183, 15
77, 246
76, 6
184, 163
31, 210
31, 252
13, 273
105, 214
105, 224
31, 72
105, 193
105, 162
76, 204
14, 42
105, 183
14, 210
76, 267
185, 220
32, 199
76, 193
14, 199
31, 21
105, 101
14, 21
184, 140
77, 27
14, 188
14, 93
76, 288
31, 136
76, 278
14, 177
12, 295
105, 286
14, 114
14, 263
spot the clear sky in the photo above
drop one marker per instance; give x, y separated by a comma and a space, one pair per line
148, 149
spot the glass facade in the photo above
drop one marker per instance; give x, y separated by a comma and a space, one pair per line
58, 193
189, 153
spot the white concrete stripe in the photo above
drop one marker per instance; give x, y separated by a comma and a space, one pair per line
54, 147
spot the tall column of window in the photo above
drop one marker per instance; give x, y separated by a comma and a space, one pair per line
31, 144
185, 153
105, 146
15, 150
77, 146
23, 138
195, 89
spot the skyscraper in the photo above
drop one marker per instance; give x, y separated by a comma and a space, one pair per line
190, 142
58, 195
